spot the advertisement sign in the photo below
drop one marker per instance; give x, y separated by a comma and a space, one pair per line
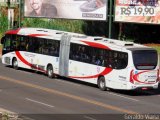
138, 11
69, 9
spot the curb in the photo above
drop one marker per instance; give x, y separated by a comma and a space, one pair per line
6, 114
4, 110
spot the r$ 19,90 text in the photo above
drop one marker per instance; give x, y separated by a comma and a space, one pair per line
137, 11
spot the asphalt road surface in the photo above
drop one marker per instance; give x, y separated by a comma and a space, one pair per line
34, 96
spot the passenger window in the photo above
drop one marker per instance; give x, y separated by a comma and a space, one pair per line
97, 56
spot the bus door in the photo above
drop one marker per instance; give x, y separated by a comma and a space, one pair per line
118, 62
64, 55
29, 49
6, 41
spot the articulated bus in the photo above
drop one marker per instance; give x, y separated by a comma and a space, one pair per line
106, 62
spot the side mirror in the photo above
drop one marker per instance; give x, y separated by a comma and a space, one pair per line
2, 40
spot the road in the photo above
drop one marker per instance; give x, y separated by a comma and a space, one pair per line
35, 96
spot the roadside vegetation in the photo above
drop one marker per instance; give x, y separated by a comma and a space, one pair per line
137, 33
64, 25
157, 48
3, 24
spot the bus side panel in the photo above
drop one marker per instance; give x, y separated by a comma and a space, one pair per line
44, 60
25, 56
84, 71
7, 58
117, 79
34, 61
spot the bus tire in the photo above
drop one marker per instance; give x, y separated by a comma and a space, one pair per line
102, 83
50, 73
15, 63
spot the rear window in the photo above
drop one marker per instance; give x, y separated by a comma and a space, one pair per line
145, 59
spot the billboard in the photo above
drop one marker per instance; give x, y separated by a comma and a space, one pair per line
68, 9
138, 11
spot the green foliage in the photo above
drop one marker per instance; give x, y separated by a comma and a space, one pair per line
95, 28
3, 24
157, 48
140, 33
64, 25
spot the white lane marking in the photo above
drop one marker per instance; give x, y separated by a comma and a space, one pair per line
123, 97
89, 118
39, 102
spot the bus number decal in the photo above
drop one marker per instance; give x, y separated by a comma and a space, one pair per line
26, 62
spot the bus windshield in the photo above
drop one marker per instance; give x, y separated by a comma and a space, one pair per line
145, 59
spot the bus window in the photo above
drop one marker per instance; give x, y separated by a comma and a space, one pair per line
145, 59
53, 48
79, 53
115, 60
7, 43
22, 44
99, 57
31, 44
122, 60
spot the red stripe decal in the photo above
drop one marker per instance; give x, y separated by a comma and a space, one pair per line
36, 35
26, 62
105, 72
135, 77
13, 31
97, 45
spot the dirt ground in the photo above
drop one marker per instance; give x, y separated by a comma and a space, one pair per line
152, 44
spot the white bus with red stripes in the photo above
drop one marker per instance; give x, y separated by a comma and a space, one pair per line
106, 62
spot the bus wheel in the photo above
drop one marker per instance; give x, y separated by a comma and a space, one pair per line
15, 63
50, 71
102, 83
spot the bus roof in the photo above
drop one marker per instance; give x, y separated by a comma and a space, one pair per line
57, 34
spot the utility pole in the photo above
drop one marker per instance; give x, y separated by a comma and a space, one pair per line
8, 7
20, 13
110, 18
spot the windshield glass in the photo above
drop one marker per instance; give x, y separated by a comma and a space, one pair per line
145, 59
